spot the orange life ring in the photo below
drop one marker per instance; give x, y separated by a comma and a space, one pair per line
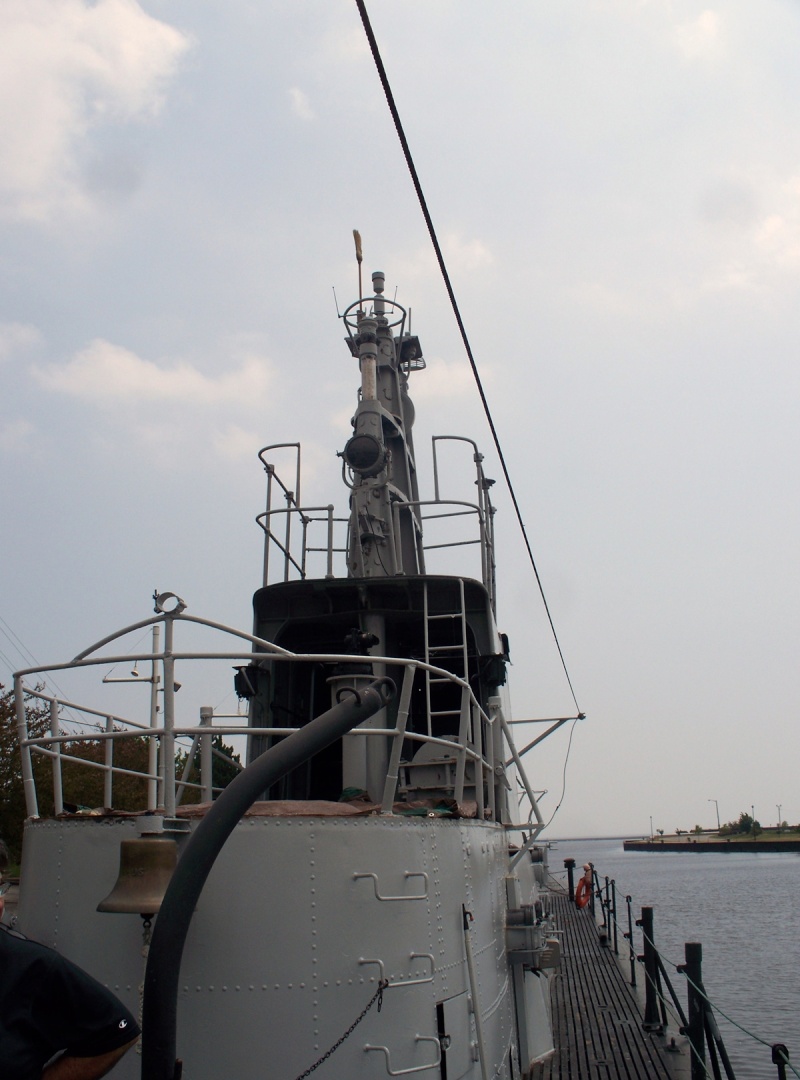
583, 893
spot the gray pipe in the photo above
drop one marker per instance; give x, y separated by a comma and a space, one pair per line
160, 1004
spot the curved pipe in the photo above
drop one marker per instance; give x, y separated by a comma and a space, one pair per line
160, 1004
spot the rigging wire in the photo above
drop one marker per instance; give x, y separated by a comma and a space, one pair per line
373, 44
700, 990
563, 774
29, 660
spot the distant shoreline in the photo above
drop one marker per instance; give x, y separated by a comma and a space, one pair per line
700, 844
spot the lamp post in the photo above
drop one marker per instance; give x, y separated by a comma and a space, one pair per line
651, 826
717, 806
779, 816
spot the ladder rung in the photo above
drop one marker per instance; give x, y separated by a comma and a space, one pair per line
445, 712
445, 648
453, 615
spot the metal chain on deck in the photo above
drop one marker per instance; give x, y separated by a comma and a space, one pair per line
377, 996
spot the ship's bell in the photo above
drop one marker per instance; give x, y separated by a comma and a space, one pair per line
145, 869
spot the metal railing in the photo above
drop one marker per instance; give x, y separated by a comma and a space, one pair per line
698, 1021
478, 750
300, 532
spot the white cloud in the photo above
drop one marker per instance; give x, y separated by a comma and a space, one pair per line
762, 254
443, 380
301, 106
104, 372
778, 239
65, 67
235, 443
16, 434
700, 38
461, 254
17, 337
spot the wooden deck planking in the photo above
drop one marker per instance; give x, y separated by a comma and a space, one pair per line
596, 1017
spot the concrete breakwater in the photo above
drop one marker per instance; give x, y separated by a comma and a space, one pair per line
729, 846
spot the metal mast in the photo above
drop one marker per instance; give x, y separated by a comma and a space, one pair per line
385, 533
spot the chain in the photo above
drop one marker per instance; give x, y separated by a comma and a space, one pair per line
377, 996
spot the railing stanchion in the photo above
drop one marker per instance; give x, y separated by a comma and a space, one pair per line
569, 865
595, 887
629, 936
606, 905
108, 757
651, 1017
58, 789
614, 916
780, 1055
695, 1030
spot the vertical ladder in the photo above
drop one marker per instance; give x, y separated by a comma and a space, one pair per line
451, 657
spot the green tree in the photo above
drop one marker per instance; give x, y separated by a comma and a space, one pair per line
85, 786
12, 793
222, 772
82, 786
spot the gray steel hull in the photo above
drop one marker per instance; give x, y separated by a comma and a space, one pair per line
300, 919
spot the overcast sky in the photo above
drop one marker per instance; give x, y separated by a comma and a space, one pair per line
616, 186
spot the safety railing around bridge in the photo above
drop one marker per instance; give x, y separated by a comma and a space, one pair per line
308, 540
479, 752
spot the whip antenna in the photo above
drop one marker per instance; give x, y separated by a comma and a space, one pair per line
359, 260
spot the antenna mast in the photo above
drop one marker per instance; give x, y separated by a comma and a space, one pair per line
359, 260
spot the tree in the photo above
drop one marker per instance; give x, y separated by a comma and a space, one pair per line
12, 794
222, 772
82, 786
85, 787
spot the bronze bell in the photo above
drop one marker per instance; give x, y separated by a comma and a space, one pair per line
145, 869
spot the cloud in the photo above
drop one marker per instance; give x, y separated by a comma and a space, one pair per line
104, 372
443, 380
764, 250
235, 443
67, 66
461, 254
301, 106
17, 337
700, 38
16, 434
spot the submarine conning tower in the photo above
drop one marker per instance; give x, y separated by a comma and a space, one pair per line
385, 531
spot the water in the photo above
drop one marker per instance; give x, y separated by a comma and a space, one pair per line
744, 911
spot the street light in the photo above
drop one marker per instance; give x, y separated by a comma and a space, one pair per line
651, 826
717, 806
779, 815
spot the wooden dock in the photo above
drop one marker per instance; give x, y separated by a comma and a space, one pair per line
597, 1017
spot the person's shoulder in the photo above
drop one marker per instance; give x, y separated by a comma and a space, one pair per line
17, 944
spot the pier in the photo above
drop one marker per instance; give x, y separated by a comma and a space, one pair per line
597, 1015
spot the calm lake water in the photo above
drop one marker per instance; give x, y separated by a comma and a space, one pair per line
743, 909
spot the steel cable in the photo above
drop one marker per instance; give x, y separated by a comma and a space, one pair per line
373, 44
